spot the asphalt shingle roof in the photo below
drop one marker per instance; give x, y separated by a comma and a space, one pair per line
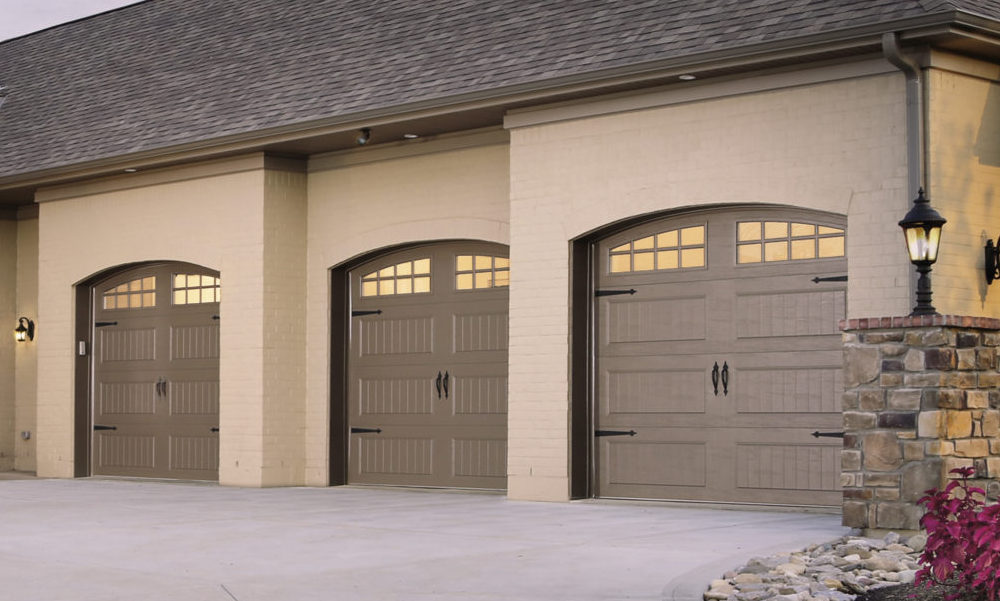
166, 72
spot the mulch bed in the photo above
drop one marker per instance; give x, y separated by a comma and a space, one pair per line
909, 592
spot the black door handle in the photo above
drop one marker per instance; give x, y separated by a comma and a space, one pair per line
437, 383
445, 384
715, 378
725, 378
216, 429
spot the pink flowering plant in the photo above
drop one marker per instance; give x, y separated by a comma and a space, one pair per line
963, 540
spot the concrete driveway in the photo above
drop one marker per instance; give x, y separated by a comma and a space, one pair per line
104, 540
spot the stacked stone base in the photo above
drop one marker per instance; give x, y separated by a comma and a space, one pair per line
920, 398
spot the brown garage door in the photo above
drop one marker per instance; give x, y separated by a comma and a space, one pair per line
724, 359
156, 374
428, 367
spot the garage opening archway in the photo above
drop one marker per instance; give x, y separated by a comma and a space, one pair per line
419, 389
716, 354
149, 352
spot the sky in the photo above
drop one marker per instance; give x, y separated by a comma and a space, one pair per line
18, 17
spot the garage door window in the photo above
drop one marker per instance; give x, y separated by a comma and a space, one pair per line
408, 277
134, 294
477, 272
772, 241
193, 289
673, 249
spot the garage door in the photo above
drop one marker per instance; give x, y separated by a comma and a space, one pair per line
428, 367
156, 374
718, 356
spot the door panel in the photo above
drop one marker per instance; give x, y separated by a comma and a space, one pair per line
428, 371
156, 379
722, 370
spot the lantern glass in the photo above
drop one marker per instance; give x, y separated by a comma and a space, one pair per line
922, 243
20, 333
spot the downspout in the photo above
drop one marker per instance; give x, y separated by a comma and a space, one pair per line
914, 113
914, 124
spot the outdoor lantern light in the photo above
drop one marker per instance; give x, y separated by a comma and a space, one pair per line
25, 329
922, 229
992, 261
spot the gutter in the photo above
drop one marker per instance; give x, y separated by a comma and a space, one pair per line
915, 127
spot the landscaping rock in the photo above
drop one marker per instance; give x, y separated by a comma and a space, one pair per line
834, 571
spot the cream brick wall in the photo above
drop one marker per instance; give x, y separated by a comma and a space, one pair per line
8, 321
26, 357
210, 215
370, 199
964, 182
837, 146
284, 360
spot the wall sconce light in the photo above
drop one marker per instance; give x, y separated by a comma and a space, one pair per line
25, 329
992, 261
363, 137
922, 229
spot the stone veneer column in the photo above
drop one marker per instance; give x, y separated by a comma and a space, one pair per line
920, 399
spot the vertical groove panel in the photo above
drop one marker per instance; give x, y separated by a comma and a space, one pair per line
195, 342
787, 467
395, 396
486, 332
126, 451
479, 458
397, 336
194, 452
194, 398
480, 395
128, 345
124, 398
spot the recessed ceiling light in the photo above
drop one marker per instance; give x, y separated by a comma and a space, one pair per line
130, 170
686, 77
411, 136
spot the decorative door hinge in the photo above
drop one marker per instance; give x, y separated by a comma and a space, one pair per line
360, 313
613, 292
818, 434
614, 432
832, 278
365, 430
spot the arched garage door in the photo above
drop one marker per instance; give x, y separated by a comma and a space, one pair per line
714, 372
156, 373
428, 367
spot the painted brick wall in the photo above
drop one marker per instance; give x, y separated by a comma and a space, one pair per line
8, 320
26, 357
964, 176
360, 201
284, 357
185, 215
835, 147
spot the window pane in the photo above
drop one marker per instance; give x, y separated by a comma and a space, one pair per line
666, 239
464, 281
404, 286
776, 251
692, 235
386, 287
667, 259
422, 266
501, 262
194, 280
803, 229
148, 299
463, 263
748, 253
621, 263
775, 229
484, 262
830, 230
135, 301
194, 296
623, 248
643, 262
421, 284
180, 280
804, 249
404, 268
643, 244
369, 288
692, 257
748, 231
135, 285
370, 276
484, 279
502, 278
831, 247
109, 302
180, 297
207, 280
387, 272
149, 283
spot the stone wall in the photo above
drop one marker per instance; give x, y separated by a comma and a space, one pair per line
920, 399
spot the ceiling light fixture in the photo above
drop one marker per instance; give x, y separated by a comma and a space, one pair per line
364, 136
